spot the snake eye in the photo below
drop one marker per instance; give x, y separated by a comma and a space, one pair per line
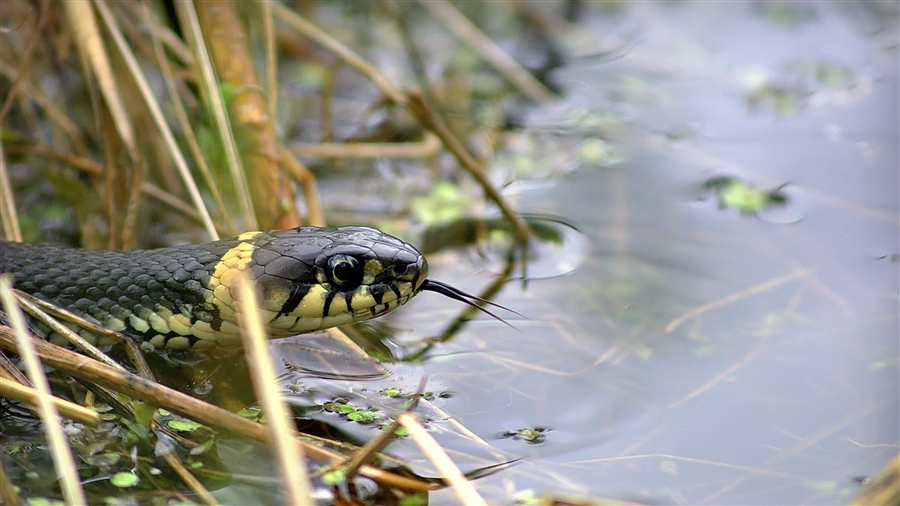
345, 270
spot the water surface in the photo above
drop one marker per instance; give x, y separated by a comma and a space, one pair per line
677, 349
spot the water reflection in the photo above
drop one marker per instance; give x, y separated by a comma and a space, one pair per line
685, 354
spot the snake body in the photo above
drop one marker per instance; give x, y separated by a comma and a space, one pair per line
183, 297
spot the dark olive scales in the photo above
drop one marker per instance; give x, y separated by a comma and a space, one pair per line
181, 297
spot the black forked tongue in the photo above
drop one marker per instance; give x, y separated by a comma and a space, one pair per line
430, 285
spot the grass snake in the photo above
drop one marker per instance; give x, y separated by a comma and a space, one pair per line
182, 297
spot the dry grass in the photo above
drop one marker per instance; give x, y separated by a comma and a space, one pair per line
106, 104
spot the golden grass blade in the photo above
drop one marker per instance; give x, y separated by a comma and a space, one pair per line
9, 371
133, 200
884, 488
186, 127
67, 333
271, 59
428, 147
227, 42
290, 458
63, 461
156, 113
131, 348
189, 479
90, 42
170, 200
8, 216
463, 487
191, 23
27, 395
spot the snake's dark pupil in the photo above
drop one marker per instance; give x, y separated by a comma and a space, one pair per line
344, 269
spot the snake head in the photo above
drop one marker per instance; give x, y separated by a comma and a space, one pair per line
313, 278
318, 278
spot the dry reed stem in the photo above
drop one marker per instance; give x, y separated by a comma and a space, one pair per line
90, 43
734, 297
266, 182
428, 147
289, 457
7, 489
271, 59
369, 450
346, 54
302, 175
9, 371
192, 27
417, 106
884, 488
8, 216
92, 167
749, 357
185, 123
26, 395
67, 333
158, 118
77, 162
88, 369
131, 348
425, 114
467, 32
133, 202
172, 201
364, 454
63, 460
186, 476
449, 472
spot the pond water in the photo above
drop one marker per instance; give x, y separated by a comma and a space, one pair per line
676, 349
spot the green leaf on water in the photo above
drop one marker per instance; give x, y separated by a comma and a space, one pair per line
201, 449
362, 416
184, 426
334, 478
251, 413
414, 500
124, 480
445, 203
143, 413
